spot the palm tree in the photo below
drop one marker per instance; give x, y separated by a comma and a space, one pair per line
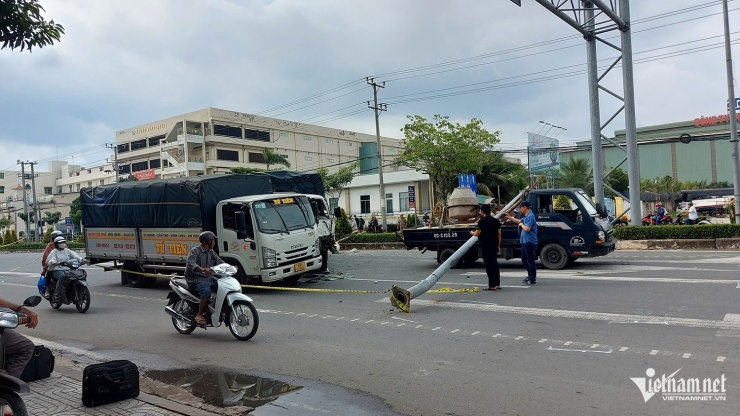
273, 158
575, 173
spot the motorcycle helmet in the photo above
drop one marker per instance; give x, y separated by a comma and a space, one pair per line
55, 234
658, 204
59, 239
206, 236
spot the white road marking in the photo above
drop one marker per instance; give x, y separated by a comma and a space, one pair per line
623, 349
686, 355
609, 351
519, 337
419, 326
567, 343
454, 330
721, 359
542, 340
475, 333
595, 345
402, 319
401, 324
641, 279
436, 328
654, 352
596, 316
730, 317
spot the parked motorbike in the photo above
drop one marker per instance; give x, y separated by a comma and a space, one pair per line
227, 305
11, 387
649, 219
74, 291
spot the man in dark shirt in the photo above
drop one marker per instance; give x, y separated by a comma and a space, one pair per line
488, 232
198, 271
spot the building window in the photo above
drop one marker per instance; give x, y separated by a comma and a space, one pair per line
256, 157
77, 187
154, 141
102, 182
123, 148
70, 188
227, 155
330, 160
389, 203
364, 204
138, 144
307, 158
2, 189
403, 201
89, 184
166, 163
330, 140
135, 167
2, 175
155, 164
124, 169
228, 131
259, 135
307, 138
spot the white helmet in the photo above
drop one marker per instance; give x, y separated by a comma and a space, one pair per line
59, 240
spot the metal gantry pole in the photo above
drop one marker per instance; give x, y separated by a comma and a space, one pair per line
629, 115
733, 111
25, 200
593, 103
378, 108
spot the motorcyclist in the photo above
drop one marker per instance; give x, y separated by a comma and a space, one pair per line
59, 255
659, 213
18, 349
49, 247
198, 271
693, 215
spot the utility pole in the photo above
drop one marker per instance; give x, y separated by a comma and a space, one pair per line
733, 112
115, 157
25, 199
36, 208
378, 108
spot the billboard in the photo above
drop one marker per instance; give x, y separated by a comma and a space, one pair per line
543, 152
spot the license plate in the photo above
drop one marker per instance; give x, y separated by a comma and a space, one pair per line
300, 266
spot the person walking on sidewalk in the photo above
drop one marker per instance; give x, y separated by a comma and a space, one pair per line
488, 232
528, 238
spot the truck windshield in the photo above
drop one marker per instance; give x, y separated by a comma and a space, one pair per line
588, 205
280, 215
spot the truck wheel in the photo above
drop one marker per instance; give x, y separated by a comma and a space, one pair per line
553, 256
445, 254
133, 279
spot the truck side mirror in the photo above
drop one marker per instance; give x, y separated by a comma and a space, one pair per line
337, 212
600, 210
241, 225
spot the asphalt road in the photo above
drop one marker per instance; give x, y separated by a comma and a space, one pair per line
569, 345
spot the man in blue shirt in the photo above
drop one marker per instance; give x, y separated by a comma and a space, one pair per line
528, 238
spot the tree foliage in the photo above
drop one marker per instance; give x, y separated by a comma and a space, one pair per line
75, 211
443, 150
503, 177
52, 218
337, 181
575, 173
31, 217
22, 26
5, 222
618, 180
242, 169
273, 158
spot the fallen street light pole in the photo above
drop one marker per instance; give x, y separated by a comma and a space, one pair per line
401, 298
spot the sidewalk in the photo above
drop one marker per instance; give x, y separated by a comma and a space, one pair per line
61, 394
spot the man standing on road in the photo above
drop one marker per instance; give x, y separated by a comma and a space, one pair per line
488, 232
528, 238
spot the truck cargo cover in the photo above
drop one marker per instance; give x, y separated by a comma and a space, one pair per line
183, 202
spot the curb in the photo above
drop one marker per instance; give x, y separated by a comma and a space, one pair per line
731, 244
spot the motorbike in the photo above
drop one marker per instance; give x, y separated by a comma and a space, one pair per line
699, 221
76, 289
11, 387
227, 305
649, 219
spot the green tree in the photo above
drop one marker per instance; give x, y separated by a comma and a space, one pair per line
52, 218
443, 150
5, 222
242, 169
75, 211
8, 238
343, 227
21, 25
30, 218
274, 158
46, 239
503, 177
618, 180
575, 173
337, 181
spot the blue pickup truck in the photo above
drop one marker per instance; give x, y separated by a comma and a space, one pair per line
569, 225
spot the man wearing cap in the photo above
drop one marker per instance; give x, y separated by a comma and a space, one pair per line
488, 232
659, 213
528, 238
693, 215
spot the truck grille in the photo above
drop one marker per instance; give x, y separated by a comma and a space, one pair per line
292, 256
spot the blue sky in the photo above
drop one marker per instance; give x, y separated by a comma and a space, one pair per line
121, 64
